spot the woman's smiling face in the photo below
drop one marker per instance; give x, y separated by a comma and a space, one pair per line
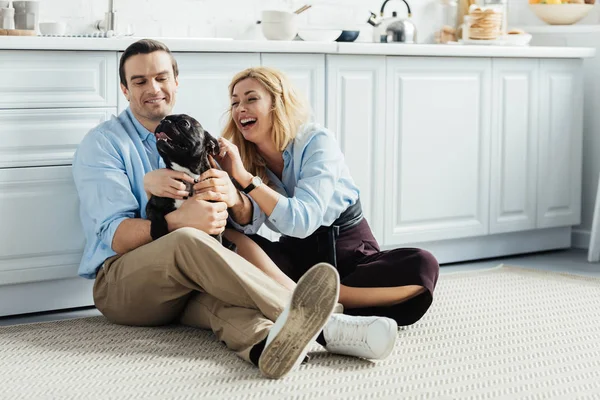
251, 107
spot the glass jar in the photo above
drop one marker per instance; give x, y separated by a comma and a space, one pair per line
446, 21
484, 23
500, 6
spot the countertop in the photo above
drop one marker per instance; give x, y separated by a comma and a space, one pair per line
264, 46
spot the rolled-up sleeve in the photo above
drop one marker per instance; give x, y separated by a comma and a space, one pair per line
321, 165
258, 218
105, 192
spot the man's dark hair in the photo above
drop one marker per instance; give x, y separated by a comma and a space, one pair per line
144, 46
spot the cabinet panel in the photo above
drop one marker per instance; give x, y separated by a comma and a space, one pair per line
57, 79
45, 137
307, 72
356, 114
41, 234
560, 143
514, 145
437, 149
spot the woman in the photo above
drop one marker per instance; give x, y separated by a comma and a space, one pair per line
296, 175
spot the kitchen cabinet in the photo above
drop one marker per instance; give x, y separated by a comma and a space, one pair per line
58, 79
514, 159
468, 157
307, 73
437, 158
560, 143
356, 114
48, 102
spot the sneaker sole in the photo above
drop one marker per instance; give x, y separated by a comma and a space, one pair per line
312, 304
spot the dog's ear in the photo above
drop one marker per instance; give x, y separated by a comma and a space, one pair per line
212, 145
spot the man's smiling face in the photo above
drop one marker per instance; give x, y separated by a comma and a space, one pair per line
151, 87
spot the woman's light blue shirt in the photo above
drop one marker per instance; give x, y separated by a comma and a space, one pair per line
109, 168
315, 185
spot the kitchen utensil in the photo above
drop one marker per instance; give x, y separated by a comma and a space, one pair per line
16, 32
303, 8
561, 14
348, 36
319, 35
7, 18
395, 29
26, 14
279, 25
53, 28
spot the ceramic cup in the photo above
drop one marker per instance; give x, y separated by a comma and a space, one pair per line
7, 18
26, 14
53, 28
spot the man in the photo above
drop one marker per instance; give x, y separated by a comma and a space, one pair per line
187, 276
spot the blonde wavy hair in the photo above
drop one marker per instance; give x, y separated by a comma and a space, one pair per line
289, 111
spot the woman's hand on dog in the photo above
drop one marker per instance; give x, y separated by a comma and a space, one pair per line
167, 183
218, 183
229, 159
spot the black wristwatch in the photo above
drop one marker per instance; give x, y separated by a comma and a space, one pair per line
254, 183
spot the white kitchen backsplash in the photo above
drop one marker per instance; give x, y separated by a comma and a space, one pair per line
237, 18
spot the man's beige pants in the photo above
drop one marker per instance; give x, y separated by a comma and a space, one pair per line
188, 277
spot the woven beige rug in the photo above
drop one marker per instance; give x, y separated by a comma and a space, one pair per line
501, 333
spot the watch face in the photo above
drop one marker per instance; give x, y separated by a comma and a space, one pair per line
256, 181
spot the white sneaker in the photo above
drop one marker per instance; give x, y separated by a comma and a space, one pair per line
312, 303
367, 337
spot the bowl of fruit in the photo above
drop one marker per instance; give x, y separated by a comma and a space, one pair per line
561, 12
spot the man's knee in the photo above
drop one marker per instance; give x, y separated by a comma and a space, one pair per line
187, 235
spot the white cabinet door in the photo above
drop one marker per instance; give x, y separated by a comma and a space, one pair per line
560, 143
437, 149
514, 145
203, 82
356, 114
57, 79
41, 234
47, 136
307, 72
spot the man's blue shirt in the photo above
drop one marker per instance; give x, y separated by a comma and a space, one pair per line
109, 168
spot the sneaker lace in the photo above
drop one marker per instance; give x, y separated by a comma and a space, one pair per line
347, 331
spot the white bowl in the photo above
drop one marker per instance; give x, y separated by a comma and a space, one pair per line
319, 35
561, 14
521, 39
53, 28
279, 30
277, 16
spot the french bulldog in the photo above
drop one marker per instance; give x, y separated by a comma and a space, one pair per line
184, 146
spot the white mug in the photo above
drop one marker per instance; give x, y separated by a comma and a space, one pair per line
7, 18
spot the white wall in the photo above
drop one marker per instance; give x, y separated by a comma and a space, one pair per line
236, 18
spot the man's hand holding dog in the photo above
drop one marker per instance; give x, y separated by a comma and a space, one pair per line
166, 182
202, 211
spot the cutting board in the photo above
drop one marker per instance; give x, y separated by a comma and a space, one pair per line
17, 32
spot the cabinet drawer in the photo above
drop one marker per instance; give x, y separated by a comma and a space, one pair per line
45, 137
41, 234
57, 79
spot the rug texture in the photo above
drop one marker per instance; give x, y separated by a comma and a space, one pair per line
502, 333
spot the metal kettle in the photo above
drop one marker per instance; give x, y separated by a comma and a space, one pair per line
394, 29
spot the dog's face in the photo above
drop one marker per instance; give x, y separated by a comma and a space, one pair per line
181, 140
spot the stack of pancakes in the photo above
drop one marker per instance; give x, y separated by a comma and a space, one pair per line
485, 24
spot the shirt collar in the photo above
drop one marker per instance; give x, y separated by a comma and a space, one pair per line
141, 130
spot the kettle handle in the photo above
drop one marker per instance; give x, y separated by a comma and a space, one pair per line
385, 2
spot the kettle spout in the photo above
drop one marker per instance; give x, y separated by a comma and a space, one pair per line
374, 20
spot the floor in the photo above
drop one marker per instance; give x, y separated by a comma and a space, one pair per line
572, 260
